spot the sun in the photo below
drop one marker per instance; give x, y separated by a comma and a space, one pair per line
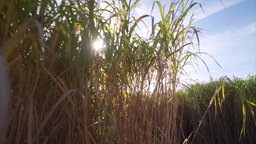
98, 44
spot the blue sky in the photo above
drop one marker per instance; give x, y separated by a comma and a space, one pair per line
228, 34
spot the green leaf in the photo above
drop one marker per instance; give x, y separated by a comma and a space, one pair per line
244, 118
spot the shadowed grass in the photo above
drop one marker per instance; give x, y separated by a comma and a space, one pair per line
4, 100
224, 109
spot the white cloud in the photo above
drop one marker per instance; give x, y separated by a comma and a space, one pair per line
141, 8
246, 30
235, 51
218, 42
214, 7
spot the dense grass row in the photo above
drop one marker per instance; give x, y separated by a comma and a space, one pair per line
220, 111
63, 91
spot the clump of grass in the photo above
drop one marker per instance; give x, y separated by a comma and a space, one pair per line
226, 107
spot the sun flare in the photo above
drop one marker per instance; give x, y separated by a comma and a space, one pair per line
98, 44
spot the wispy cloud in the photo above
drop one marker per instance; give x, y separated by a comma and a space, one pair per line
229, 38
234, 49
248, 29
213, 7
141, 8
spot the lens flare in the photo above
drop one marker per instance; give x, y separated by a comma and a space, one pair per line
98, 44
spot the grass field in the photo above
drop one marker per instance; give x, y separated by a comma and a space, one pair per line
61, 90
220, 111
